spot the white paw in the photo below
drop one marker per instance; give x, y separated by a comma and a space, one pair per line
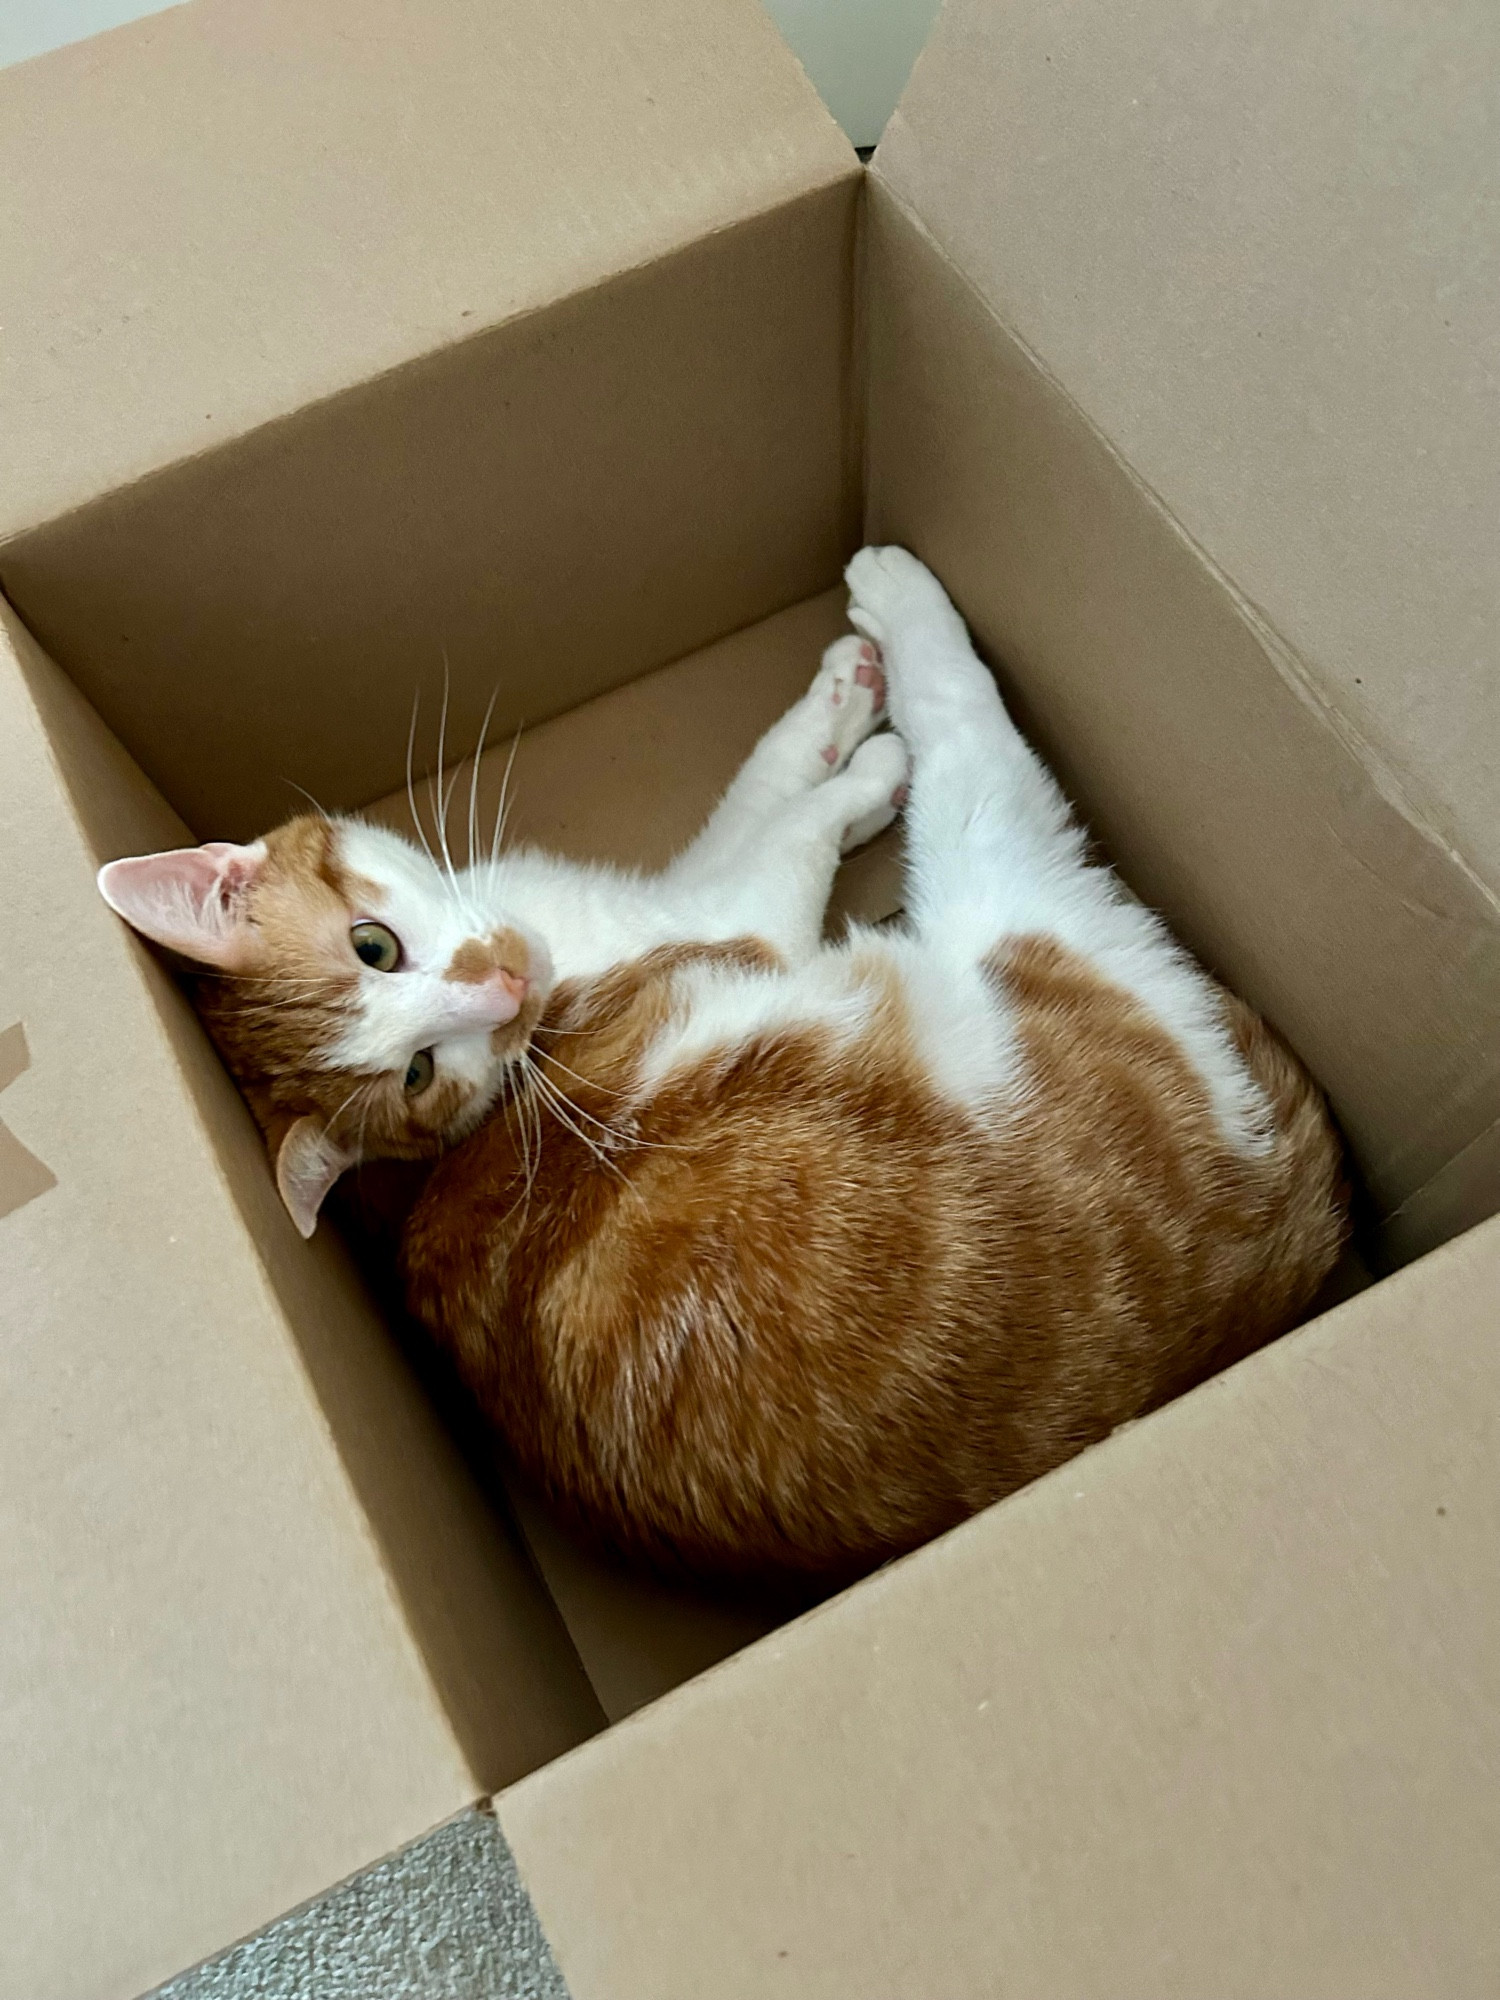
847, 699
890, 589
876, 784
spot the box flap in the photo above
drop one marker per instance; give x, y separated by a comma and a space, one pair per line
351, 344
234, 211
1214, 1709
224, 1681
1257, 247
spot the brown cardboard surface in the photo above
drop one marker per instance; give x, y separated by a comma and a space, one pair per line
258, 1626
546, 509
1215, 1709
527, 360
1257, 246
1229, 795
234, 212
637, 1636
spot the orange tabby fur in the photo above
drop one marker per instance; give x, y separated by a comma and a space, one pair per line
818, 1368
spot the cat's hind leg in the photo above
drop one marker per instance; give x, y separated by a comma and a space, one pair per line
992, 848
994, 853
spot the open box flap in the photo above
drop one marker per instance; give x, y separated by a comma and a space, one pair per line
1257, 247
347, 345
232, 211
1152, 297
224, 1680
1213, 1709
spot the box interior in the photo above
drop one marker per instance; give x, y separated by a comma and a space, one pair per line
621, 497
531, 620
627, 775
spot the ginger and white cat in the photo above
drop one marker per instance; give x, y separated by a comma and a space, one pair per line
769, 1255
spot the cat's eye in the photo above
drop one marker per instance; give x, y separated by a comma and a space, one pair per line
420, 1072
376, 947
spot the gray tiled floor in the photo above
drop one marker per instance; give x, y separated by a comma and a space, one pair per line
445, 1919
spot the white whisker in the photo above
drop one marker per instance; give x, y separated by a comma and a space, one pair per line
411, 794
484, 730
316, 804
501, 807
439, 803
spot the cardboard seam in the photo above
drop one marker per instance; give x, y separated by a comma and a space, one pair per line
1392, 785
506, 323
856, 374
1418, 1195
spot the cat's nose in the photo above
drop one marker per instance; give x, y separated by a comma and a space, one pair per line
506, 992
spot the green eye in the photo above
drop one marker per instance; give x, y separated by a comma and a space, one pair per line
419, 1075
375, 946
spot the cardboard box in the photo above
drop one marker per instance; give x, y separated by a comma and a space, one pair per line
568, 347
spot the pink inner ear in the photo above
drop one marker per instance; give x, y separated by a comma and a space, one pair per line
191, 899
307, 1165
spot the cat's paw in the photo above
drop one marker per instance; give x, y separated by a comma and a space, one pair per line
847, 699
876, 779
890, 589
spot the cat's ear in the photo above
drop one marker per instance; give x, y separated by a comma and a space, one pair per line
192, 899
308, 1162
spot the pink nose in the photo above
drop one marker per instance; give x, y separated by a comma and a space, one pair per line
507, 991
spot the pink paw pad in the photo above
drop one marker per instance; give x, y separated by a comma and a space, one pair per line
899, 797
830, 753
868, 674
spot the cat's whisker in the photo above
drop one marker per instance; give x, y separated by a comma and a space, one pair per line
439, 801
558, 1063
331, 1122
484, 730
502, 806
411, 791
610, 1132
316, 804
559, 1105
552, 1099
519, 1098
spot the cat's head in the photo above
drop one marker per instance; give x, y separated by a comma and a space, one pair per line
367, 1005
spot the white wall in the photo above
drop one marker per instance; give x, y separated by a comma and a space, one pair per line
31, 27
859, 53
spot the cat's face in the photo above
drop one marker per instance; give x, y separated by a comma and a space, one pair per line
366, 1003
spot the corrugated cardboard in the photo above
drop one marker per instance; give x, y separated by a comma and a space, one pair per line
1215, 1709
1176, 379
1256, 247
365, 339
358, 351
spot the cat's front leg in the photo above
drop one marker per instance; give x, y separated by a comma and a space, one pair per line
778, 885
798, 754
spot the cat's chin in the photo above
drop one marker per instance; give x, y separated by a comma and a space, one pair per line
505, 1077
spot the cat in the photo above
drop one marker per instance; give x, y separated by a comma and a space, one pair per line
771, 1257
